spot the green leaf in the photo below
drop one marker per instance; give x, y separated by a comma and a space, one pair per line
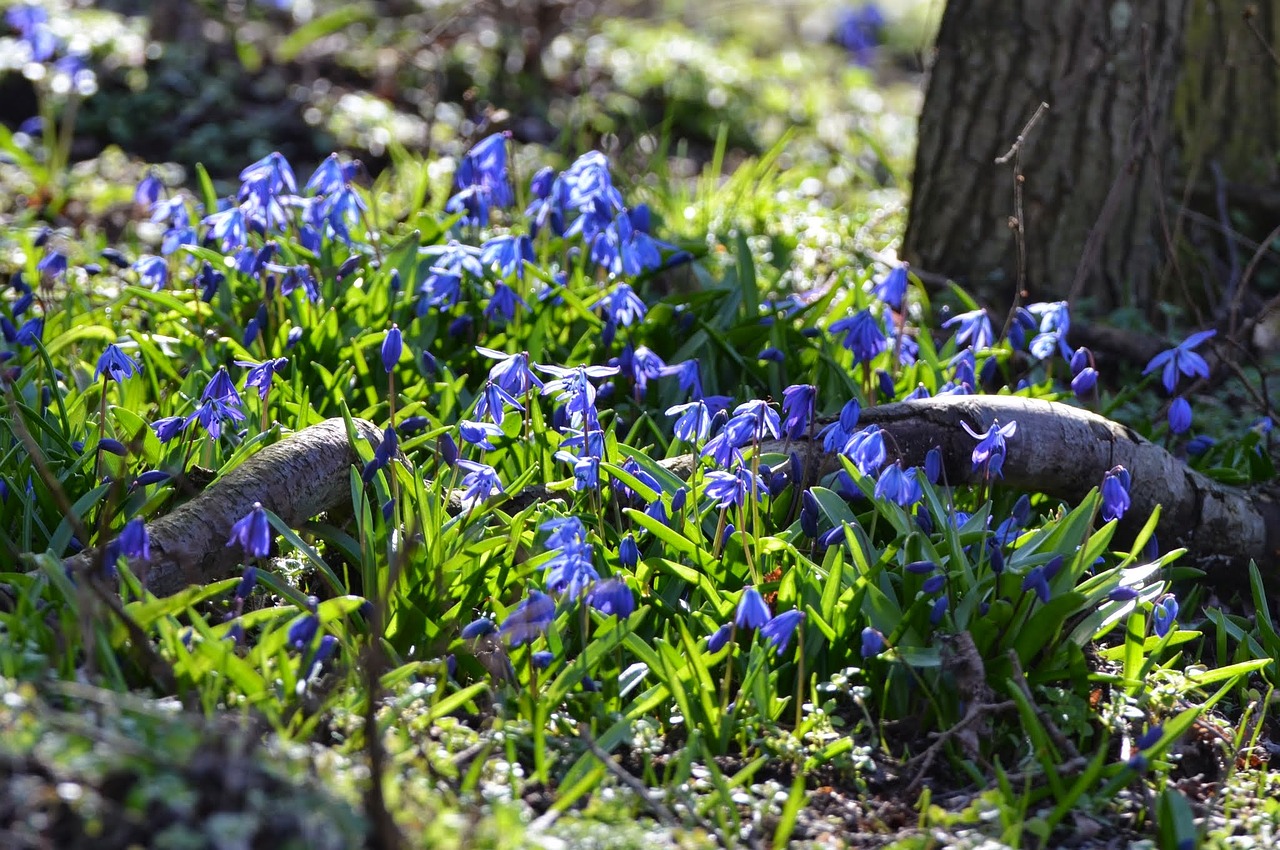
328, 24
1176, 820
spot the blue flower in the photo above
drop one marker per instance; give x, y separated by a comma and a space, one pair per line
586, 470
933, 465
1055, 321
511, 372
134, 540
494, 401
570, 571
1164, 613
866, 450
115, 365
688, 375
623, 306
899, 485
632, 466
720, 637
531, 619
797, 405
762, 419
447, 264
753, 612
613, 598
302, 632
248, 580
208, 280
331, 176
778, 631
503, 303
260, 374
1037, 581
218, 403
991, 448
392, 348
584, 443
863, 335
480, 482
573, 386
859, 31
154, 476
478, 628
836, 435
1200, 444
1115, 493
1123, 593
619, 246
810, 513
152, 271
729, 489
253, 532
169, 427
1084, 381
1181, 359
482, 181
507, 255
1179, 416
974, 331
229, 228
938, 610
694, 423
32, 23
478, 433
893, 288
628, 552
328, 646
548, 204
268, 177
872, 642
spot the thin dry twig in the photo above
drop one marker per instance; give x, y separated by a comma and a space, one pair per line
659, 809
1020, 680
1014, 154
977, 711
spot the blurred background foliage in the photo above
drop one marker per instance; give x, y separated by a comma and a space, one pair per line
184, 81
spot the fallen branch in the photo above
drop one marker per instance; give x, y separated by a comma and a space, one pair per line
297, 478
1059, 450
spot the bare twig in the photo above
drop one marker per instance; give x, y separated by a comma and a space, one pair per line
976, 711
1250, 21
1020, 681
659, 809
1017, 222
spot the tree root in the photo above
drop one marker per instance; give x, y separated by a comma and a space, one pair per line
297, 478
1058, 450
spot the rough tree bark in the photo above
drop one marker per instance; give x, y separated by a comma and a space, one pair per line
1227, 109
1059, 450
1093, 166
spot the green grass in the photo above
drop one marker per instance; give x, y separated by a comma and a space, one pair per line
1004, 716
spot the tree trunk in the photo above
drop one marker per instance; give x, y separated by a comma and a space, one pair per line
1227, 109
1095, 166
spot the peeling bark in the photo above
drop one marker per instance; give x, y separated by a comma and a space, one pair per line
1059, 450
